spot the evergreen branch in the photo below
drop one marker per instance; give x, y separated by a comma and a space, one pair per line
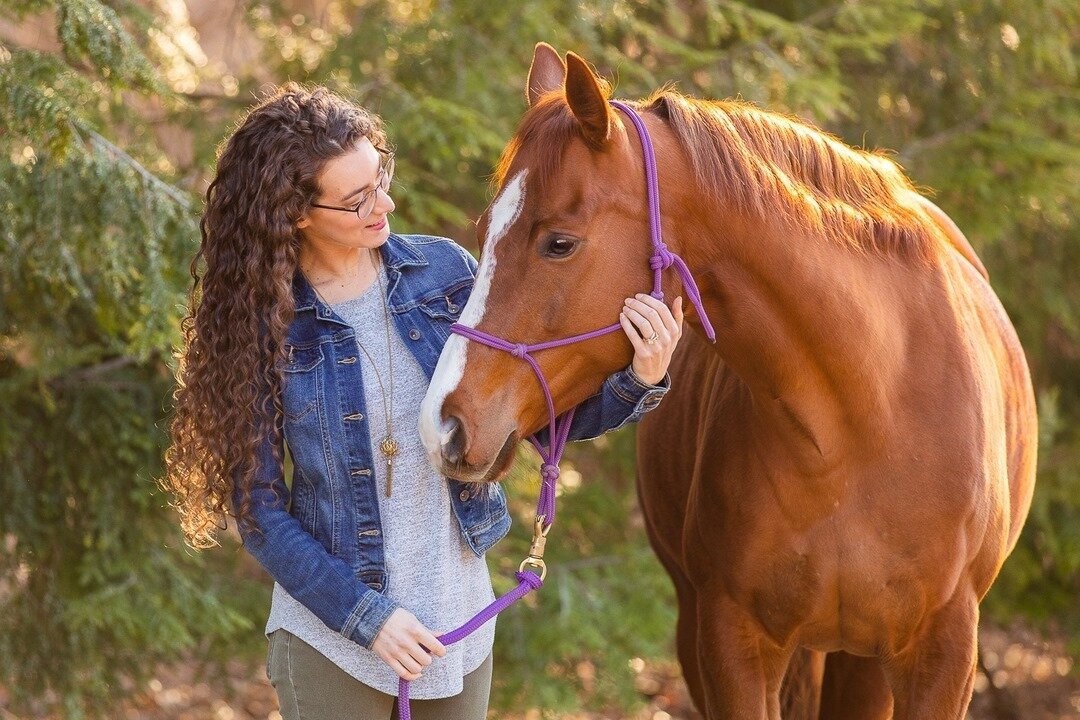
152, 179
87, 28
921, 145
100, 369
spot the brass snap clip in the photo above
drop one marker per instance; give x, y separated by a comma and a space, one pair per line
536, 550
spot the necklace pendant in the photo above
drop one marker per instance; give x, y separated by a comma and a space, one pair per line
389, 448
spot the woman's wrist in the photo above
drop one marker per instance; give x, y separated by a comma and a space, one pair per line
644, 378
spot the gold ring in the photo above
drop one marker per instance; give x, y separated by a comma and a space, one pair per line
652, 339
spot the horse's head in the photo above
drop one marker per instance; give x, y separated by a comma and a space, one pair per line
563, 243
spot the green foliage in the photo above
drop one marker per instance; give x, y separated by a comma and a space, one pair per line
606, 599
92, 34
93, 593
978, 101
95, 250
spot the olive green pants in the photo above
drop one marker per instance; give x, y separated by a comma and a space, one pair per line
310, 687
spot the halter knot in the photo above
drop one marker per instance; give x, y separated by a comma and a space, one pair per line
549, 472
662, 259
519, 350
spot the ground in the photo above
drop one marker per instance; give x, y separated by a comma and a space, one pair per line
1033, 675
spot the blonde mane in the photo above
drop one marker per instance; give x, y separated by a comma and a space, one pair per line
771, 166
767, 164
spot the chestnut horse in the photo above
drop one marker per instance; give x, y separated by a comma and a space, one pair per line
845, 470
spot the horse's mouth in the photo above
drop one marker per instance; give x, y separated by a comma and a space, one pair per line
494, 472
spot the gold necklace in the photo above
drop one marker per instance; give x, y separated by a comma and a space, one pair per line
389, 446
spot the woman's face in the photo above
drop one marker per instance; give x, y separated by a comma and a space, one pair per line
344, 182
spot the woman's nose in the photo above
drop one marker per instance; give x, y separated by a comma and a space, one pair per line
383, 202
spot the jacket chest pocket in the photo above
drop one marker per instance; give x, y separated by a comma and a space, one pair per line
445, 308
302, 387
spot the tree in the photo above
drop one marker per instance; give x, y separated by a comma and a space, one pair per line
95, 247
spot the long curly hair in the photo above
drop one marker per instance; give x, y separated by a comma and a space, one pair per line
229, 372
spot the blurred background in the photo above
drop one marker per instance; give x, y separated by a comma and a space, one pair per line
110, 115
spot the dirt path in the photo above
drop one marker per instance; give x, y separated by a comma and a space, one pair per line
1033, 673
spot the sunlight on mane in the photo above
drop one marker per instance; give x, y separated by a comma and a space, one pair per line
765, 164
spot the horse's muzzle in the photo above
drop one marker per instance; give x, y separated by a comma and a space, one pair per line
452, 463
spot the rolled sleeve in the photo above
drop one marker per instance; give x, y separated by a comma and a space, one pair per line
641, 394
623, 398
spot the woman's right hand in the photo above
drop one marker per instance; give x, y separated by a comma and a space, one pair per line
401, 642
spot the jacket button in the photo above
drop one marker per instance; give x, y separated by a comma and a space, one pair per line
414, 334
464, 495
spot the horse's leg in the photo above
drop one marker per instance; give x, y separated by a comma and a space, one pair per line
800, 693
855, 688
742, 666
686, 637
933, 676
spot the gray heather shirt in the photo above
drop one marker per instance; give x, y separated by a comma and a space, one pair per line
432, 572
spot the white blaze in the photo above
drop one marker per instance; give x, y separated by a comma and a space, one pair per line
451, 366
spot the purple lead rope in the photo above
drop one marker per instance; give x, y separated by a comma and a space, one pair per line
559, 428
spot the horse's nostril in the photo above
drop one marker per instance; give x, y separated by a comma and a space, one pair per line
454, 448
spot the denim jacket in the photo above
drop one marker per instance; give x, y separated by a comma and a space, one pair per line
322, 540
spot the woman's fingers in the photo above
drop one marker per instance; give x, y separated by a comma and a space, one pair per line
644, 317
430, 641
645, 305
406, 645
658, 314
662, 313
632, 333
644, 325
403, 672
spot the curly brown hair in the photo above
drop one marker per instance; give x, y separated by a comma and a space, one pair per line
229, 372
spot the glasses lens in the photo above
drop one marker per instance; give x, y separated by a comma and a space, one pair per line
366, 205
386, 174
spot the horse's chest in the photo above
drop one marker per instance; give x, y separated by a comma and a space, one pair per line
849, 588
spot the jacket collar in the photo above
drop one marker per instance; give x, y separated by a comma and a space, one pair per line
396, 253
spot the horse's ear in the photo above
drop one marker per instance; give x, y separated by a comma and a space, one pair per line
587, 101
546, 73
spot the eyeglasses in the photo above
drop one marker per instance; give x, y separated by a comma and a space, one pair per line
366, 203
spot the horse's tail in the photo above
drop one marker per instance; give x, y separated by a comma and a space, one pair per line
800, 693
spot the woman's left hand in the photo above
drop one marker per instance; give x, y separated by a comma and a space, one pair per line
654, 332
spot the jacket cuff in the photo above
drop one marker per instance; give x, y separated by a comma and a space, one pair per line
368, 618
643, 396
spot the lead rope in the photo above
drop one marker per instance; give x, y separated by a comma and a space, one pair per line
559, 428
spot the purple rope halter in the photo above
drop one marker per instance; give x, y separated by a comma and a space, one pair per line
661, 259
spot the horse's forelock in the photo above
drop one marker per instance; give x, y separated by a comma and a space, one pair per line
540, 141
544, 133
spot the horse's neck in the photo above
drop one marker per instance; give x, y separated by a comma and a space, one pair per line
808, 325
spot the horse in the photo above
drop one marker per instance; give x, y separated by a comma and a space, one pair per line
835, 482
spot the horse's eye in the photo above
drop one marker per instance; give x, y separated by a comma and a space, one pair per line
559, 246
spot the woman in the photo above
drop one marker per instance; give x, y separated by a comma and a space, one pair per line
315, 327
